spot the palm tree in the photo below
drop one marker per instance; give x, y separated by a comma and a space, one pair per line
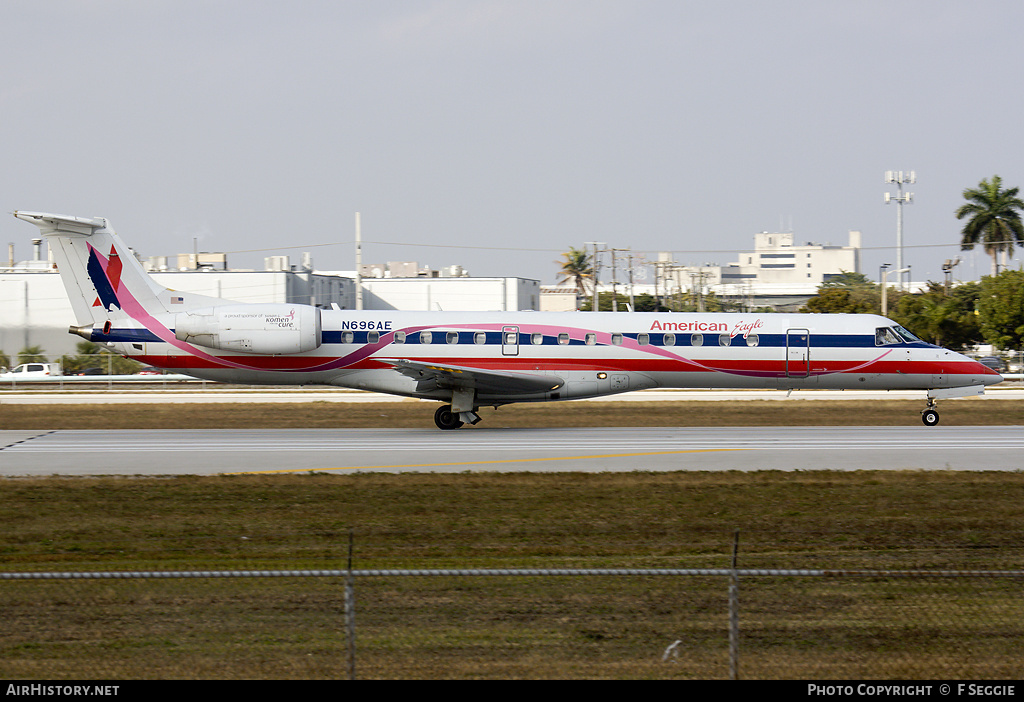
994, 219
32, 354
577, 267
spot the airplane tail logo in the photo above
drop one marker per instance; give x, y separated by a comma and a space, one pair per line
105, 275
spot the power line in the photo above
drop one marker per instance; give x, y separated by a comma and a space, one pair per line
638, 251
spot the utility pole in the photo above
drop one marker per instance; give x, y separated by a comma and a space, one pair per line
947, 269
679, 286
659, 272
697, 288
615, 292
359, 265
615, 279
632, 303
597, 268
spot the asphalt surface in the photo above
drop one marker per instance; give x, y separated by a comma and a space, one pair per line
279, 451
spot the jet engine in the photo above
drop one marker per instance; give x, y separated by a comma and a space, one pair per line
270, 329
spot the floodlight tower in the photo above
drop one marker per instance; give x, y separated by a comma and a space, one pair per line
899, 178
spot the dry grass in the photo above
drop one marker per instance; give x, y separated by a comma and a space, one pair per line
567, 414
511, 627
828, 519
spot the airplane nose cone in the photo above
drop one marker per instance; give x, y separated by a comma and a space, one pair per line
989, 376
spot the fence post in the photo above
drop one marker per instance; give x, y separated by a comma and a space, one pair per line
734, 613
350, 613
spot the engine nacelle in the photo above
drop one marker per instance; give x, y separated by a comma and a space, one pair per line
270, 329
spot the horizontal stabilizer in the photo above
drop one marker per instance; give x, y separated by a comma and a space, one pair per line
52, 223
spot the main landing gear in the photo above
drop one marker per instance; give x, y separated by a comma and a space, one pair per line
930, 415
444, 418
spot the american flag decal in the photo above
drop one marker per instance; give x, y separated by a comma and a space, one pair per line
177, 300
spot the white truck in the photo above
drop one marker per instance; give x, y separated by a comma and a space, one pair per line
28, 371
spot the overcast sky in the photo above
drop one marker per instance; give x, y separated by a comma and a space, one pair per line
497, 133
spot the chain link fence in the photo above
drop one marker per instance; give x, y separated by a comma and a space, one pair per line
504, 624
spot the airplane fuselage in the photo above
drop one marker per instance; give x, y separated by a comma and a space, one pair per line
588, 354
479, 359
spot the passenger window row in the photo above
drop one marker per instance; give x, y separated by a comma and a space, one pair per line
536, 338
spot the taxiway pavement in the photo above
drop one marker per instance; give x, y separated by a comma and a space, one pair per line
279, 451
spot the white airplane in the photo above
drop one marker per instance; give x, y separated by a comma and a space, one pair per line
469, 360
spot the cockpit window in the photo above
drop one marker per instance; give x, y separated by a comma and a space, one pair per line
907, 336
885, 335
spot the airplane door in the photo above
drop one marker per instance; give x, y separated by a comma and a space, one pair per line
798, 353
510, 341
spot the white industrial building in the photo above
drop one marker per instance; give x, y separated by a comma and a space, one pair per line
34, 307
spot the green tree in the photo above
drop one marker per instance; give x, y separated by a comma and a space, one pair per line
32, 354
993, 219
839, 300
90, 355
5, 360
949, 320
1001, 309
700, 301
576, 266
644, 302
848, 279
850, 293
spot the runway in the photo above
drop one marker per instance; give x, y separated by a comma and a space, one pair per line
348, 451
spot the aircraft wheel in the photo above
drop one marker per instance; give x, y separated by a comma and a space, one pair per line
444, 418
930, 417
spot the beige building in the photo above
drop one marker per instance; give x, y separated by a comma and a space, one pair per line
776, 260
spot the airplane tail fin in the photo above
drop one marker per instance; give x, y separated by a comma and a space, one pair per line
104, 281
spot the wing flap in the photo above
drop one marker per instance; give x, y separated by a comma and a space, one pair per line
490, 381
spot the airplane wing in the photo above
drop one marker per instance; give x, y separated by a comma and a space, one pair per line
439, 375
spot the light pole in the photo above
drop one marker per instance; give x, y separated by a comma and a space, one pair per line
885, 282
899, 178
882, 281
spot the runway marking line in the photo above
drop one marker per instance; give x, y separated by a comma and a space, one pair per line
480, 463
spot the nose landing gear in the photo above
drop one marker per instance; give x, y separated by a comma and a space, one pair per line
930, 414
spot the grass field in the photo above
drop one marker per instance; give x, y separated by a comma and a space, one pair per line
254, 415
511, 628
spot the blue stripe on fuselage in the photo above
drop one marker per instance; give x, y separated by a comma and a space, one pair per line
494, 339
